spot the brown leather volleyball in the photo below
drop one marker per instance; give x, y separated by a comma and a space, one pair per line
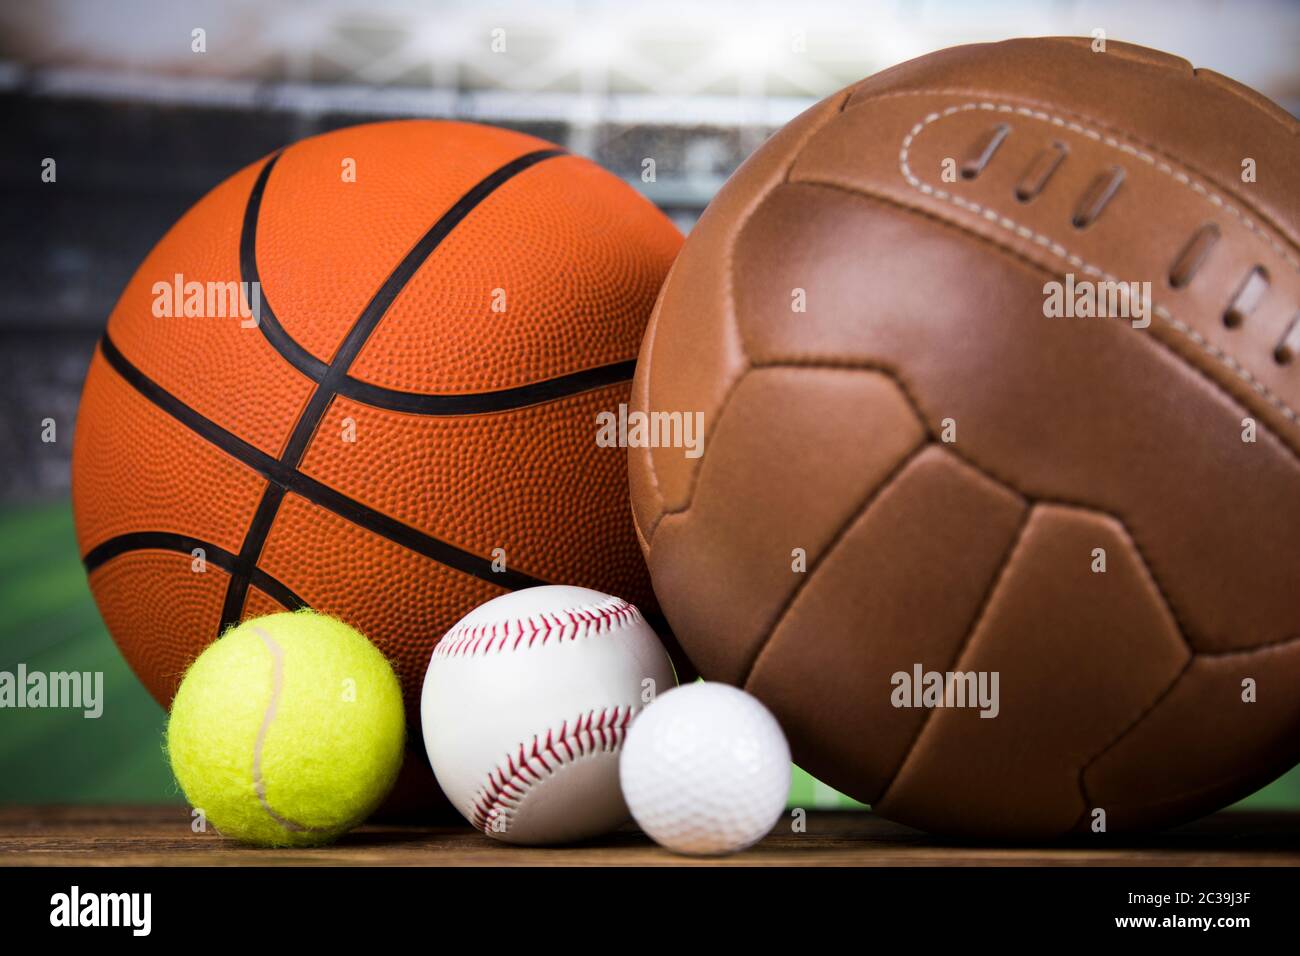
860, 316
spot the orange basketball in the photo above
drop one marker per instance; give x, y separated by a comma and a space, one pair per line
393, 419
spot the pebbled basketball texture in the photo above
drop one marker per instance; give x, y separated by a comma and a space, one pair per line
436, 336
1157, 690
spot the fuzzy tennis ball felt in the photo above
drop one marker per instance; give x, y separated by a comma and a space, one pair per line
288, 730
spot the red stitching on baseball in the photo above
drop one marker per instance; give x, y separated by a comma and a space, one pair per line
601, 618
508, 785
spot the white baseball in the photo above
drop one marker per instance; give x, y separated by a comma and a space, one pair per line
526, 705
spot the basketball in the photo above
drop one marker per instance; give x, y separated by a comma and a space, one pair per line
999, 492
362, 375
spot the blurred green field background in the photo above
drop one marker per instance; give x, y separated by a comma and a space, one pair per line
50, 623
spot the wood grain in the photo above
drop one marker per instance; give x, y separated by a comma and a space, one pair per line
161, 836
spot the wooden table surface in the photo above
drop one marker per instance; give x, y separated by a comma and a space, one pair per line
160, 835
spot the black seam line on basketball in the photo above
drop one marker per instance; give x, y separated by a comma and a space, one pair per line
270, 326
155, 541
319, 494
392, 399
241, 572
479, 403
335, 373
319, 371
377, 307
184, 544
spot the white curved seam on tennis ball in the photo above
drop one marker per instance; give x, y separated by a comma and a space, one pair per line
277, 686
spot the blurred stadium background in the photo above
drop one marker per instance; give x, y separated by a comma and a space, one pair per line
141, 127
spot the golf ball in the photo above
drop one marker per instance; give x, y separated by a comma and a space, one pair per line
705, 769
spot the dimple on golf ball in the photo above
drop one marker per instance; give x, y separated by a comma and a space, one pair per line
705, 769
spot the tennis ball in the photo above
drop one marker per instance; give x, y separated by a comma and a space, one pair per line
287, 731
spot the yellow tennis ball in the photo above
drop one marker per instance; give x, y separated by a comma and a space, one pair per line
287, 731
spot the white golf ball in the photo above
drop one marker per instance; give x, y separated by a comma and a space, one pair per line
705, 769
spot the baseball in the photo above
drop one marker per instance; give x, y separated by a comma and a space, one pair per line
526, 704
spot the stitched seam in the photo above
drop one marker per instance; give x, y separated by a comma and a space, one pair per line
978, 619
1248, 96
1141, 716
641, 539
1160, 698
599, 731
1196, 655
718, 416
469, 640
1011, 253
729, 266
1254, 648
1095, 121
652, 336
1030, 498
1060, 251
854, 516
